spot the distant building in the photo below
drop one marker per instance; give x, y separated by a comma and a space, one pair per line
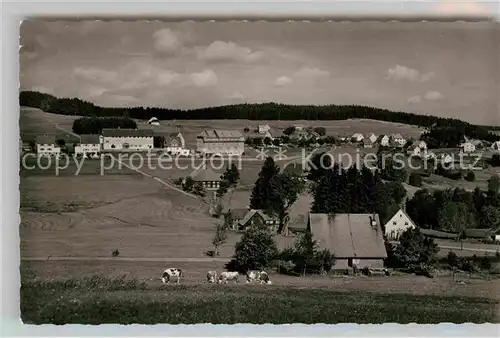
354, 239
383, 140
254, 215
372, 137
223, 142
154, 121
89, 145
207, 176
46, 145
298, 127
495, 146
398, 224
263, 128
417, 148
398, 140
367, 143
127, 139
357, 137
173, 143
468, 147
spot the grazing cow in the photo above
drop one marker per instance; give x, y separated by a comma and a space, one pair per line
226, 275
169, 273
211, 277
260, 276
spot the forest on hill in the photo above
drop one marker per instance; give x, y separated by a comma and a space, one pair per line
263, 111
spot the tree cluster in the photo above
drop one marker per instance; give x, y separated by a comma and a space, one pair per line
456, 210
229, 179
95, 125
444, 131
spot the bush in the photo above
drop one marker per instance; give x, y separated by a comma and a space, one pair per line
470, 176
452, 259
486, 262
115, 253
466, 264
415, 180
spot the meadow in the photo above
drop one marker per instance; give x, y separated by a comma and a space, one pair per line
98, 300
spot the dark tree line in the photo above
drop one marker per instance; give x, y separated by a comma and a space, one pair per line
353, 190
456, 210
94, 125
265, 111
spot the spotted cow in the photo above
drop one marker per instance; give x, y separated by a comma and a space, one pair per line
211, 277
261, 276
228, 276
169, 273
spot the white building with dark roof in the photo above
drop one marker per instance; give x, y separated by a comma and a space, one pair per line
89, 145
223, 142
127, 139
46, 145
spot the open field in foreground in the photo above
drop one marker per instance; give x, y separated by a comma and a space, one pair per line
99, 301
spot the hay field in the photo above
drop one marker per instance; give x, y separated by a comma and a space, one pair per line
33, 121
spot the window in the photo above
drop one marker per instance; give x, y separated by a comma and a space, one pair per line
394, 223
406, 223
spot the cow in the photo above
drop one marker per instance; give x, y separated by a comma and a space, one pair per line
169, 273
211, 277
226, 275
261, 276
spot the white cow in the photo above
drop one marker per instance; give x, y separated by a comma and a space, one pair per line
169, 273
211, 277
227, 276
261, 276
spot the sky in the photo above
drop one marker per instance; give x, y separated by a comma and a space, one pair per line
442, 69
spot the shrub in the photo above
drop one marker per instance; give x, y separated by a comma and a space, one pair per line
470, 176
497, 255
415, 179
485, 262
452, 259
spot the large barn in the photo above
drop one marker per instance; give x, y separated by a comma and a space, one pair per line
127, 139
223, 142
354, 239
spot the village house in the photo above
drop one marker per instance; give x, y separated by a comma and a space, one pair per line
263, 128
270, 134
173, 143
253, 215
398, 224
417, 148
46, 145
398, 140
354, 239
495, 146
207, 176
89, 145
383, 140
468, 147
127, 139
357, 137
298, 127
223, 142
445, 158
367, 143
372, 137
154, 121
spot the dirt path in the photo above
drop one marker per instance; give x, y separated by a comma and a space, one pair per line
66, 131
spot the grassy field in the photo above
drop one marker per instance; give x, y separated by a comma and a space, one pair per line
99, 301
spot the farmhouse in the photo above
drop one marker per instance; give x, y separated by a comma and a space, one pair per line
127, 139
398, 224
398, 140
367, 143
46, 145
357, 137
372, 137
254, 215
417, 148
173, 143
468, 147
383, 140
236, 216
90, 145
223, 142
207, 176
354, 239
154, 121
495, 146
263, 128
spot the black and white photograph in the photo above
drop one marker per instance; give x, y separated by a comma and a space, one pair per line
261, 172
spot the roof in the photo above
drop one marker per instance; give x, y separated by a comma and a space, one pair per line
153, 119
479, 233
238, 213
397, 136
438, 234
357, 135
401, 211
380, 137
348, 235
274, 132
367, 141
252, 212
45, 139
90, 139
108, 132
205, 173
220, 133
